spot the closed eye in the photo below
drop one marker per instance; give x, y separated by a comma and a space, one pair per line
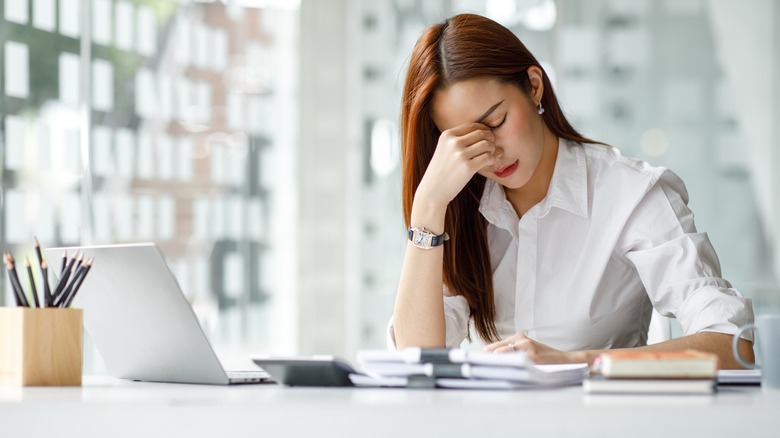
494, 127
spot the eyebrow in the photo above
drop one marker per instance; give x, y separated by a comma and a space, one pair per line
489, 111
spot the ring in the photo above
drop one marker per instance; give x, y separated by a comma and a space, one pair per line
512, 346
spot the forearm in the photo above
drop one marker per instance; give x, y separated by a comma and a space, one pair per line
718, 343
418, 319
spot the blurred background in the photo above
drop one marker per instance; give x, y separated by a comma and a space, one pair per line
256, 141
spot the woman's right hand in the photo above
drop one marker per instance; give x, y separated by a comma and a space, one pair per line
460, 153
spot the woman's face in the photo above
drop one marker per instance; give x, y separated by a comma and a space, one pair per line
508, 112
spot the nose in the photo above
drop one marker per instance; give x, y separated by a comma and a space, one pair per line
499, 152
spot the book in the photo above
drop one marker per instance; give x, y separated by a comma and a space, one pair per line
394, 369
457, 368
539, 374
602, 385
364, 380
739, 377
660, 364
443, 355
423, 368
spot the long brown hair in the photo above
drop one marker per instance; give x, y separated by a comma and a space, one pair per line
465, 47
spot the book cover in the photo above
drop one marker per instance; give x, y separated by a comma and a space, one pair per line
666, 364
739, 377
602, 385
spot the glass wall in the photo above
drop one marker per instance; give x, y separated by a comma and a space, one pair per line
165, 121
256, 141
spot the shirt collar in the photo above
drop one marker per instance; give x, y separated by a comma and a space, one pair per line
569, 185
568, 190
497, 209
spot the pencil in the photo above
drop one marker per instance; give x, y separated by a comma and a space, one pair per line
64, 262
38, 250
63, 297
76, 288
17, 297
33, 289
41, 262
15, 280
47, 300
64, 279
78, 262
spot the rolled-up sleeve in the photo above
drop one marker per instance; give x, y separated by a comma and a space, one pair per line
456, 319
678, 266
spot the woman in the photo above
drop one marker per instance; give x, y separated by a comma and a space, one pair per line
546, 241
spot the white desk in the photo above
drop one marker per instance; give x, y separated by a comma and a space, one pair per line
107, 407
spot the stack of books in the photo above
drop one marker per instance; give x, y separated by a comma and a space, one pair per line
457, 368
642, 372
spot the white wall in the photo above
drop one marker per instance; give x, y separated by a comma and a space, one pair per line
747, 36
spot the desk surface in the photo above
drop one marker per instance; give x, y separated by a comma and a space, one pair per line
120, 408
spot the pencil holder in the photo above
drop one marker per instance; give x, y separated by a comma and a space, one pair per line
40, 347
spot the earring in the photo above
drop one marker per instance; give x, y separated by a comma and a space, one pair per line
539, 108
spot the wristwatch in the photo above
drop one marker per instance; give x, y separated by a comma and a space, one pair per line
422, 238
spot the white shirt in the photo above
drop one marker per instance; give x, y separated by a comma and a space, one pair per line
584, 268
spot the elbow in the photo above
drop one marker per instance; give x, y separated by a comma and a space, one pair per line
434, 344
745, 350
407, 340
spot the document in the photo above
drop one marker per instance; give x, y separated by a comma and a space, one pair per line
456, 368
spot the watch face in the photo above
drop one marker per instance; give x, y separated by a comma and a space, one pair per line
421, 238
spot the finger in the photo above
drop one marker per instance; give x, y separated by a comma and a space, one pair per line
514, 347
494, 346
523, 343
463, 143
479, 148
519, 337
473, 137
481, 161
464, 129
499, 346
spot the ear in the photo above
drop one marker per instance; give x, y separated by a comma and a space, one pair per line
535, 76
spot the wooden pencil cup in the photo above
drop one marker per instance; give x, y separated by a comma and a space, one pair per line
40, 347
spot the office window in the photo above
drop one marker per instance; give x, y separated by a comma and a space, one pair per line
163, 160
199, 130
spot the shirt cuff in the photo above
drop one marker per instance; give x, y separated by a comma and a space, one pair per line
391, 335
714, 309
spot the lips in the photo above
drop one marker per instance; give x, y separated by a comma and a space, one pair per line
506, 171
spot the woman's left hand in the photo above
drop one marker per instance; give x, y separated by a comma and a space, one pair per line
537, 352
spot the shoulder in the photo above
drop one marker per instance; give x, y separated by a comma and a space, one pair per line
609, 168
610, 161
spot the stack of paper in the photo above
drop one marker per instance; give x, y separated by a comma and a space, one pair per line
669, 372
739, 377
457, 368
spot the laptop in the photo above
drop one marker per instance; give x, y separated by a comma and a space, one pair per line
140, 321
